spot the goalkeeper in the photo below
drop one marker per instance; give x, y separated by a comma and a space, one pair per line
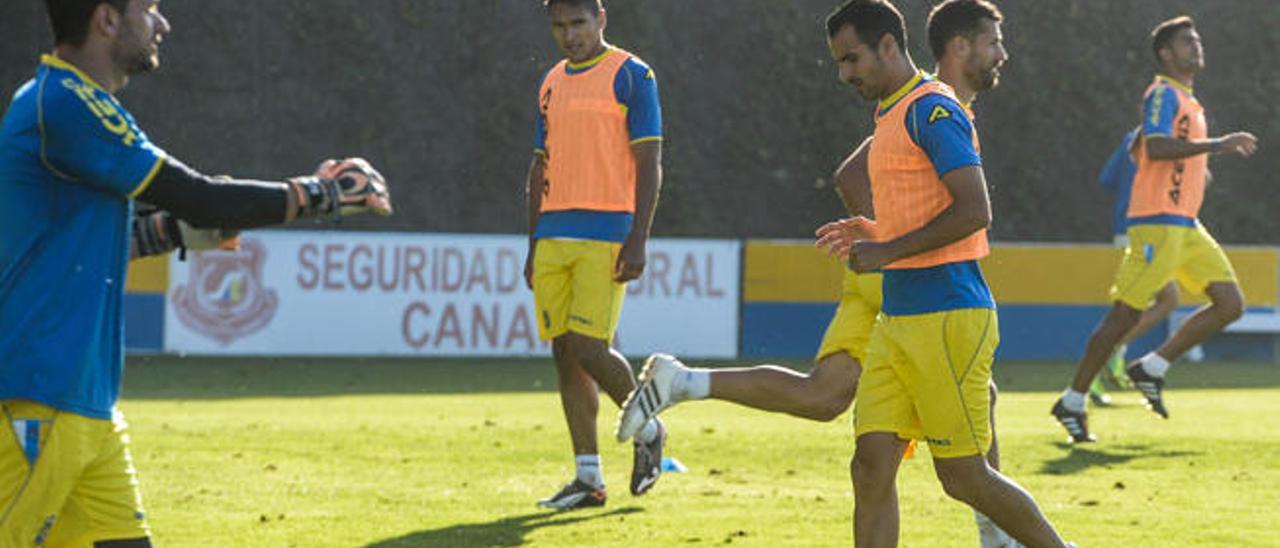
72, 162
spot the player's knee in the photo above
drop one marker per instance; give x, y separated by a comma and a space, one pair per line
869, 471
585, 350
832, 403
964, 487
830, 387
1121, 319
1230, 305
560, 348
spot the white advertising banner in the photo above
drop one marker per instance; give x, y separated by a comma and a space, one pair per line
332, 293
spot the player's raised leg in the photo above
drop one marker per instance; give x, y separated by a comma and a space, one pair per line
1147, 373
822, 394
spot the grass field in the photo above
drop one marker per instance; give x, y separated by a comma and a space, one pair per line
397, 453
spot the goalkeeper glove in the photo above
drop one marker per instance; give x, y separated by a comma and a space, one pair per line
341, 187
160, 232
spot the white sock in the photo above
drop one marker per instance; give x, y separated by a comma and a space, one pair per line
694, 384
1121, 351
991, 535
1155, 365
1073, 401
588, 467
648, 432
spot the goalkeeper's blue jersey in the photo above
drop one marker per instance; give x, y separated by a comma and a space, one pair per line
71, 161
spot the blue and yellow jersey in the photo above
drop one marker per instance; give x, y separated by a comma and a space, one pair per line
1169, 192
1160, 109
1117, 178
908, 193
939, 125
635, 94
71, 160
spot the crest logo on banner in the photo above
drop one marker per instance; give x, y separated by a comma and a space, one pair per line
224, 298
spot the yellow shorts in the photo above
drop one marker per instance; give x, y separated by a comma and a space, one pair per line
66, 479
1158, 254
850, 329
926, 378
573, 288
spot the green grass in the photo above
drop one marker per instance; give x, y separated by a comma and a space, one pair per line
398, 453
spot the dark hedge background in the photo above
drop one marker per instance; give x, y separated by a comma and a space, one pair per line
440, 95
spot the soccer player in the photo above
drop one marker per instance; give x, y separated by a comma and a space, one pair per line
592, 190
929, 360
1117, 178
965, 38
72, 161
1166, 240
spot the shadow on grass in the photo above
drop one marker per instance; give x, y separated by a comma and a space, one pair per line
1082, 457
503, 532
175, 377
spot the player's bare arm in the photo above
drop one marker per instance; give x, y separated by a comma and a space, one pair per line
631, 259
1162, 147
853, 184
970, 212
534, 188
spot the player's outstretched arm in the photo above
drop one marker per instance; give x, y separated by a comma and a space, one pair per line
338, 187
853, 183
1161, 147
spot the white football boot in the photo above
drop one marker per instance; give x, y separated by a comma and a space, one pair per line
656, 391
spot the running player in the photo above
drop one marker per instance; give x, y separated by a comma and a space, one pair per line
593, 188
1117, 178
929, 360
1166, 239
968, 59
72, 161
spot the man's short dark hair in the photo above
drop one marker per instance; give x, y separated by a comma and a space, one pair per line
596, 5
958, 18
1165, 31
871, 20
70, 19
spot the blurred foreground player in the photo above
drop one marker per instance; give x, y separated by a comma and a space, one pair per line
966, 41
72, 161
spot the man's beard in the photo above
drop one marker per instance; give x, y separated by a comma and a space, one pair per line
135, 60
984, 79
